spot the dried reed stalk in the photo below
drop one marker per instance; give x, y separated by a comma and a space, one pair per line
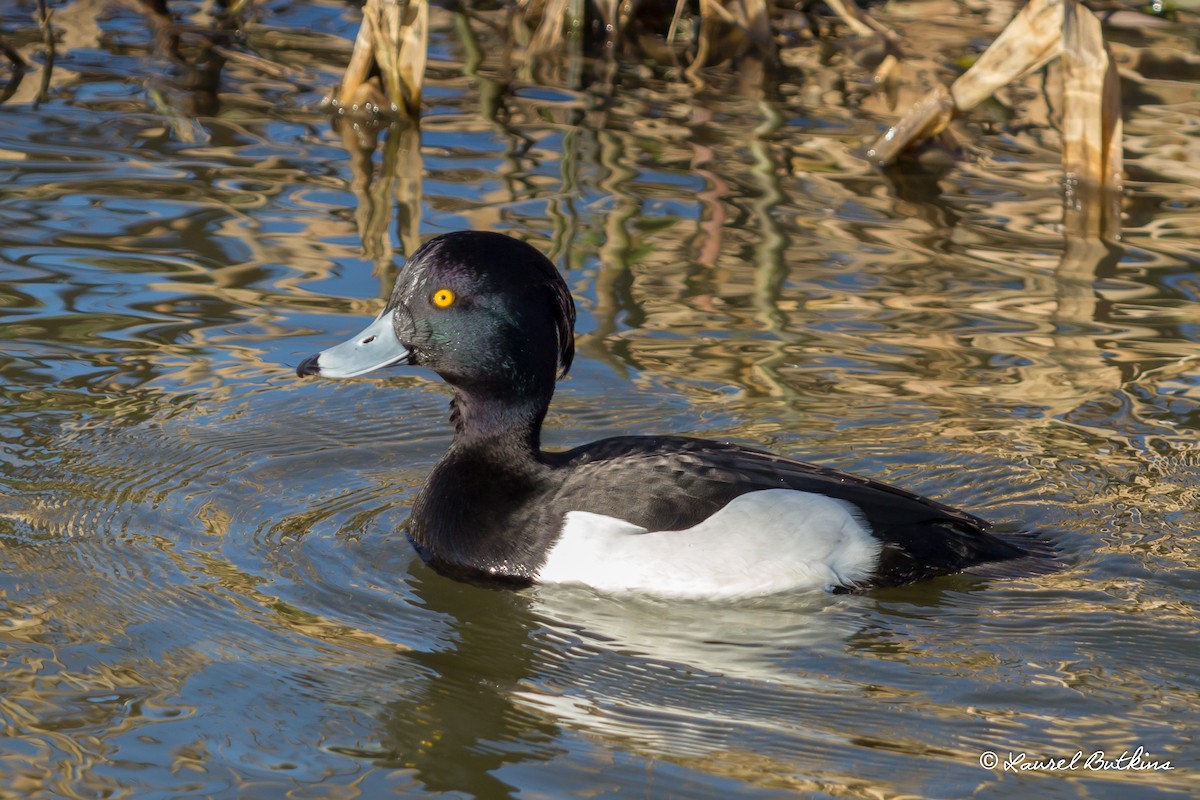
1042, 30
395, 182
392, 38
1092, 162
1032, 38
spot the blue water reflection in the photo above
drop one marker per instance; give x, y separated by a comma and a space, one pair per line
203, 590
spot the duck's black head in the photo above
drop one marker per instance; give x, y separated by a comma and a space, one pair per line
487, 312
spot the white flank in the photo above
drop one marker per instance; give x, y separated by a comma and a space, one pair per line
762, 542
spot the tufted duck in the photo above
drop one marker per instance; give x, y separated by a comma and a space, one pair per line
665, 515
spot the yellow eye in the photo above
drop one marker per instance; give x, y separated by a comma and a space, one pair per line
443, 298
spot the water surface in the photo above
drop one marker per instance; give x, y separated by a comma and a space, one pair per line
203, 591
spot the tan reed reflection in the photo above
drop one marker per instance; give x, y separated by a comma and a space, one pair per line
396, 184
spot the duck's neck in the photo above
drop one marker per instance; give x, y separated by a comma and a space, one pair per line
512, 424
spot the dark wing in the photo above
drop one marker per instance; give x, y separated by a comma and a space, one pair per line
672, 483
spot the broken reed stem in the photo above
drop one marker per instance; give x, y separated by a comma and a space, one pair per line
384, 22
1092, 163
359, 67
925, 119
1091, 128
414, 51
1031, 39
393, 37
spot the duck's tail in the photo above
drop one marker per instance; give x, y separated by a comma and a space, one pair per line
1042, 556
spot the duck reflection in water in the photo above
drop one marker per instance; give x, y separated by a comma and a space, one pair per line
514, 670
461, 728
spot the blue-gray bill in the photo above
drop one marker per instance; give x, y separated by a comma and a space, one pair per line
376, 346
